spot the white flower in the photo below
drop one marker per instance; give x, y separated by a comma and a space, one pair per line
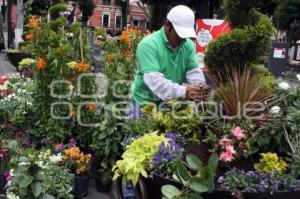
11, 172
298, 76
284, 85
11, 195
275, 109
23, 163
55, 158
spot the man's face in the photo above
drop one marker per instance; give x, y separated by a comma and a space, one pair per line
172, 36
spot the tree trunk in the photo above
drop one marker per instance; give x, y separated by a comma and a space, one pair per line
20, 22
8, 23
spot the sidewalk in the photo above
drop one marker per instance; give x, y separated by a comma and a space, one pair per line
5, 66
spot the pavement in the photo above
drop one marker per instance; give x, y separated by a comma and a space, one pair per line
6, 68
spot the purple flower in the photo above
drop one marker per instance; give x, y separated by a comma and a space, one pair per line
59, 147
162, 148
19, 134
170, 156
220, 179
73, 142
7, 175
157, 157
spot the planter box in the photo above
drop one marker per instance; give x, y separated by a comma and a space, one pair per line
80, 186
153, 187
15, 58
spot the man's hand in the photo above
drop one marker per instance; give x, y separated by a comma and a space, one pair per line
197, 93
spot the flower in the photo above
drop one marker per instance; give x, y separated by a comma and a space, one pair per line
230, 150
33, 22
77, 159
225, 142
226, 157
275, 109
298, 76
29, 36
127, 53
55, 158
40, 64
125, 38
91, 107
72, 65
59, 147
7, 175
284, 85
19, 134
73, 142
82, 67
238, 133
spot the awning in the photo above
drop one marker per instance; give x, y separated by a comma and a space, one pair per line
137, 18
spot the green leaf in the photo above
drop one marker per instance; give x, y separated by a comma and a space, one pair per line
197, 185
190, 196
170, 191
23, 181
213, 161
36, 189
102, 136
193, 162
182, 171
47, 196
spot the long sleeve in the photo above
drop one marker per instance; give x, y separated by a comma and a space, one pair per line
163, 88
195, 76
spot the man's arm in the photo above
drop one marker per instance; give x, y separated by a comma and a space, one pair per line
163, 88
195, 76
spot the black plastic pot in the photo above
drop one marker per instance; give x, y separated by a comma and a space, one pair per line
2, 46
153, 187
103, 187
2, 185
80, 186
16, 57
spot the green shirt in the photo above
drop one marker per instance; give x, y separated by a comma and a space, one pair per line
154, 54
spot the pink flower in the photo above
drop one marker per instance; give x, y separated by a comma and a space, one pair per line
7, 175
226, 157
19, 134
225, 142
230, 150
238, 133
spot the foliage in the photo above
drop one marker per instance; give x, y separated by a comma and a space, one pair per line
241, 95
233, 140
36, 174
87, 7
195, 177
76, 160
164, 160
252, 33
177, 112
137, 157
139, 126
253, 181
270, 163
17, 105
267, 80
56, 9
26, 63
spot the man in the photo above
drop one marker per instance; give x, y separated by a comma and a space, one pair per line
165, 58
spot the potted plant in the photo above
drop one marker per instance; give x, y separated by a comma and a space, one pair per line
79, 163
4, 161
103, 180
15, 56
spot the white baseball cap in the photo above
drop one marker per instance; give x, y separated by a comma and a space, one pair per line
183, 21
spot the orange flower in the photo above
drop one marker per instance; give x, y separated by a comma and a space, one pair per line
29, 36
73, 113
91, 107
109, 58
82, 67
40, 64
33, 22
127, 53
125, 38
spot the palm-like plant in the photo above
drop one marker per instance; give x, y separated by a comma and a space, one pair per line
241, 94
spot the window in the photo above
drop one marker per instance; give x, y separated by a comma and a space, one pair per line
118, 21
135, 23
105, 20
106, 2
